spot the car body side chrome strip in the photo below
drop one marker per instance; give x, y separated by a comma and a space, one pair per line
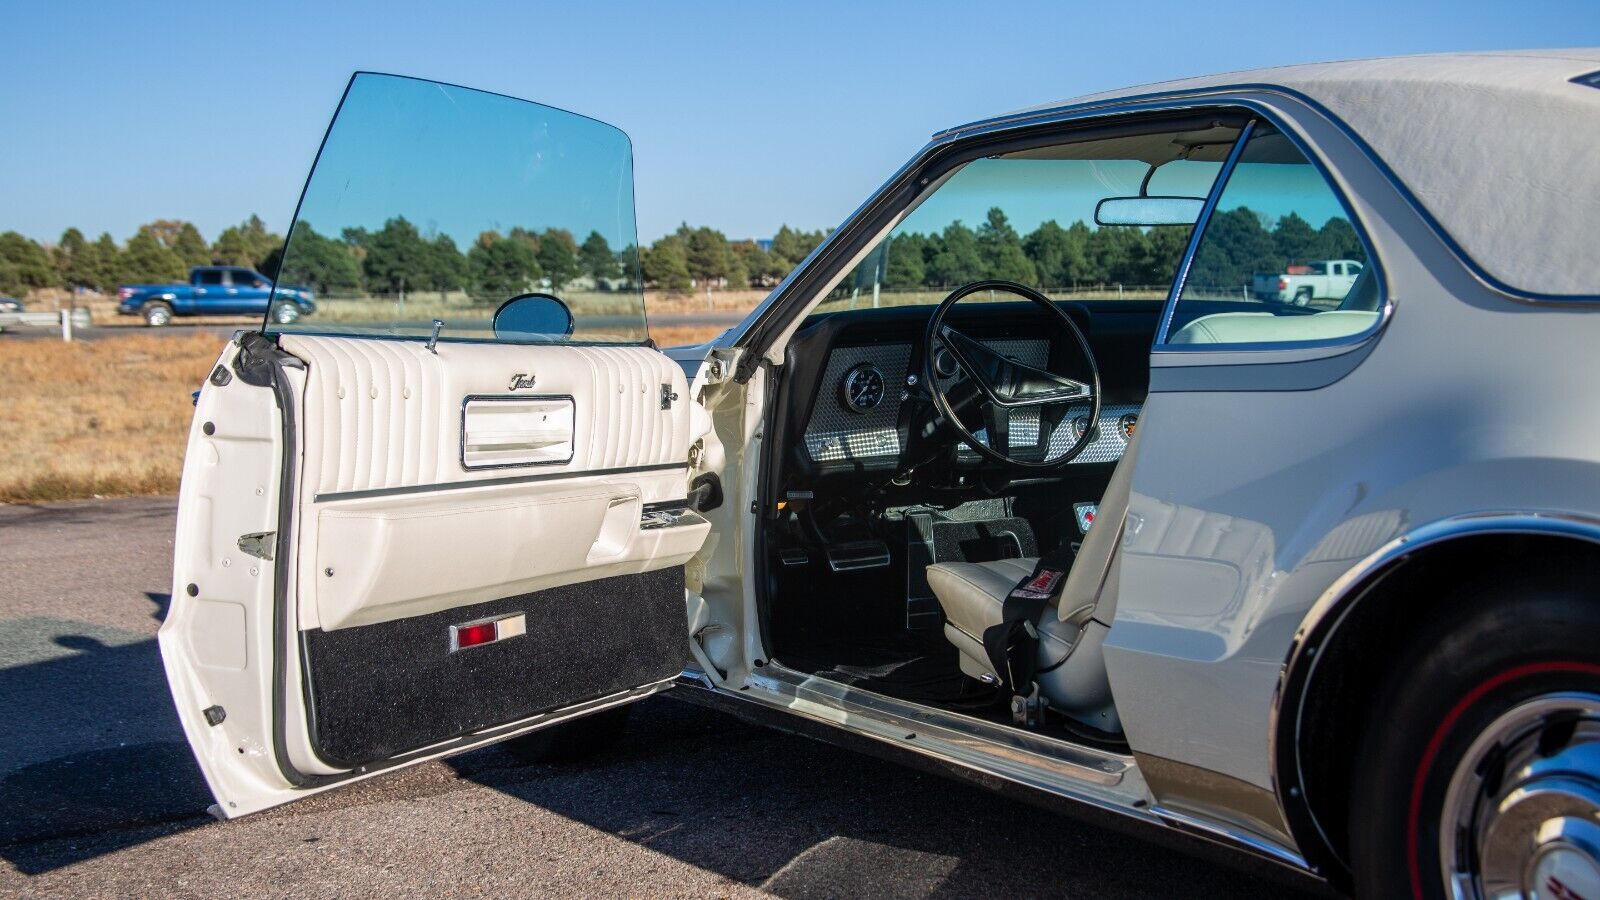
1106, 781
913, 722
1230, 834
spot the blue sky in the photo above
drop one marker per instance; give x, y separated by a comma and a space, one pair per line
743, 115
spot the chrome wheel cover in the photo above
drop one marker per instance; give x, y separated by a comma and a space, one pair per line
287, 314
158, 316
1521, 815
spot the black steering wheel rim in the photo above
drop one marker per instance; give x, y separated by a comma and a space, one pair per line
942, 402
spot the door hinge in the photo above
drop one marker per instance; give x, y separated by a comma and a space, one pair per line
258, 545
668, 396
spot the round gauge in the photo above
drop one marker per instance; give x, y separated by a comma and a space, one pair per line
862, 388
944, 363
1080, 427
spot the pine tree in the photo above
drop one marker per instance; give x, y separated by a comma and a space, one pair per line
958, 259
905, 267
190, 246
148, 261
596, 259
558, 257
77, 261
24, 265
1004, 257
499, 268
398, 259
666, 263
107, 263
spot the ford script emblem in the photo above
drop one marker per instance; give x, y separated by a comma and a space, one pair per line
519, 381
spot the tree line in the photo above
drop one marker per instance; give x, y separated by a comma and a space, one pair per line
399, 258
159, 251
1240, 242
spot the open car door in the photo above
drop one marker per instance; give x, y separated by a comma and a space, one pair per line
449, 508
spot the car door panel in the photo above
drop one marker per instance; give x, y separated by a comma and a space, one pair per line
414, 536
393, 542
399, 540
384, 469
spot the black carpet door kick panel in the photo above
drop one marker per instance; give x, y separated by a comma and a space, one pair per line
375, 691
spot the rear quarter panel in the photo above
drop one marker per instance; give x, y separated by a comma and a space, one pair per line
1249, 503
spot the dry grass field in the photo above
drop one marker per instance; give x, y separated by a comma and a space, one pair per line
107, 417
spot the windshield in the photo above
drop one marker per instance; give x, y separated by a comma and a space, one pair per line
1030, 217
430, 201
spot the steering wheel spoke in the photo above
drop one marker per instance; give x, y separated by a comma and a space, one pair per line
997, 425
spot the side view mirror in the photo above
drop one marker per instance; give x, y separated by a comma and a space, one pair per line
1148, 210
533, 314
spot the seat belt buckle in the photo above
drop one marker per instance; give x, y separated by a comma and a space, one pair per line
1027, 712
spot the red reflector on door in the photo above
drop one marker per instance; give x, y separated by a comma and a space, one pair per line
476, 634
473, 635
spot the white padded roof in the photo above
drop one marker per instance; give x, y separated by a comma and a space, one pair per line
1503, 149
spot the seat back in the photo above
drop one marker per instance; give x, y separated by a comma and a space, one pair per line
1082, 596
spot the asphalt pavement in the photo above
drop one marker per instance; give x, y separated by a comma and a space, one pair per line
100, 797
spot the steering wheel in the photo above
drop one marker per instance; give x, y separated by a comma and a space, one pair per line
996, 386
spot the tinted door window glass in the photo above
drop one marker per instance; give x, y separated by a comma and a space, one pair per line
1279, 262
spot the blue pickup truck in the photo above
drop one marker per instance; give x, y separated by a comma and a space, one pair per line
214, 291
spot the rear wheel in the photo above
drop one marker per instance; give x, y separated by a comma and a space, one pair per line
1479, 775
574, 740
157, 313
286, 313
1302, 297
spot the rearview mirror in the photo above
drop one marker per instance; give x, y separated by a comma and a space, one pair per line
1148, 210
528, 315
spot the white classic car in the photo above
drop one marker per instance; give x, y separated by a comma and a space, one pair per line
1315, 584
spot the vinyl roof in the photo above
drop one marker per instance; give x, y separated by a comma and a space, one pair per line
1502, 149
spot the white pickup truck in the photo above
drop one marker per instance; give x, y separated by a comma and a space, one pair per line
1327, 279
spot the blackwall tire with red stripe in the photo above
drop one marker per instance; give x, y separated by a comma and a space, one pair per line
1515, 644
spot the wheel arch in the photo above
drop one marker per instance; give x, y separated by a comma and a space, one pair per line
1329, 676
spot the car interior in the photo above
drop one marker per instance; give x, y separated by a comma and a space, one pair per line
929, 452
891, 545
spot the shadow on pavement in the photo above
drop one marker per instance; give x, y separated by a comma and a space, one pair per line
801, 819
90, 746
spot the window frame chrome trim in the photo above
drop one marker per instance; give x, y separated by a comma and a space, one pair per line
1201, 222
1162, 344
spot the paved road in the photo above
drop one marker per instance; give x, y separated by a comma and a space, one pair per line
99, 796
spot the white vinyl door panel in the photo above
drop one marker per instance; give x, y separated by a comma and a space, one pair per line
387, 414
429, 483
385, 558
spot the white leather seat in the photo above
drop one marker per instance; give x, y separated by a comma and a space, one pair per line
1071, 670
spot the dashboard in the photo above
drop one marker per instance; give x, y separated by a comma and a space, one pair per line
858, 421
856, 365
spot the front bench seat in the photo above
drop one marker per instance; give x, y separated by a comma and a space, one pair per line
1071, 669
